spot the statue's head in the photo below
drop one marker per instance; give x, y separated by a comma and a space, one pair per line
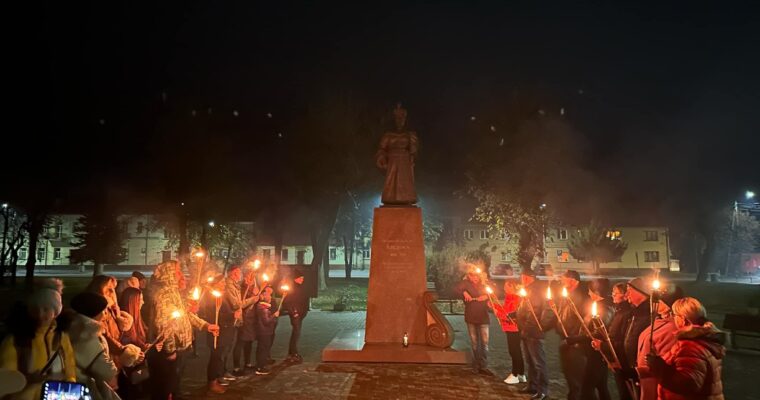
399, 115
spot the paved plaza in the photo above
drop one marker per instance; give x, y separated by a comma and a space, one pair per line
316, 380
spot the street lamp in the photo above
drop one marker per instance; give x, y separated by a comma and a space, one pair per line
211, 224
748, 194
5, 205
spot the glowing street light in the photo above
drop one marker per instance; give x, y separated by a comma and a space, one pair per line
749, 195
5, 205
211, 224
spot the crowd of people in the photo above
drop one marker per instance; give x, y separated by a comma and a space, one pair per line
127, 339
657, 345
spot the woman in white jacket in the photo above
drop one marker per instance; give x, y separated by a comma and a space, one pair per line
94, 364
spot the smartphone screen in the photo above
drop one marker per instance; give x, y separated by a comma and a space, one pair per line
58, 390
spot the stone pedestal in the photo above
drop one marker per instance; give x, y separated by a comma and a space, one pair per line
397, 301
397, 279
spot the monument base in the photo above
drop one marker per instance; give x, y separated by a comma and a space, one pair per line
349, 346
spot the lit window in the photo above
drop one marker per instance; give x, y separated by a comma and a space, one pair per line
650, 236
41, 253
22, 253
651, 256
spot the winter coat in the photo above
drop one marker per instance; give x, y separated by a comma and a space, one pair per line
297, 301
266, 322
475, 311
94, 365
664, 340
617, 329
507, 313
165, 298
693, 370
41, 349
573, 325
248, 330
535, 301
638, 321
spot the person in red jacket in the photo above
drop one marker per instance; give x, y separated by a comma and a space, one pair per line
506, 313
693, 368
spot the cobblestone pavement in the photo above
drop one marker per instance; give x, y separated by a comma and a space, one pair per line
316, 380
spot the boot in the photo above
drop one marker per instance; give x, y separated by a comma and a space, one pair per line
215, 388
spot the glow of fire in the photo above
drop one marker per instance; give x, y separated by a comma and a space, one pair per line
256, 264
523, 293
210, 279
196, 293
564, 292
216, 293
265, 277
199, 254
176, 314
593, 309
656, 284
548, 293
284, 288
489, 290
477, 270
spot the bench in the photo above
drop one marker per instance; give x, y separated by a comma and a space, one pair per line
742, 325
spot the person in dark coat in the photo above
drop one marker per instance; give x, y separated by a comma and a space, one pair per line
265, 325
297, 305
693, 368
530, 313
472, 290
216, 372
617, 335
638, 321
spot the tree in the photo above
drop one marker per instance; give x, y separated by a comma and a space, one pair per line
99, 238
737, 233
594, 244
14, 227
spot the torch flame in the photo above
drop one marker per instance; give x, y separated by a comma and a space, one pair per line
255, 264
477, 270
523, 293
176, 314
548, 293
199, 254
489, 290
656, 284
284, 288
216, 293
593, 309
210, 279
196, 293
564, 292
265, 277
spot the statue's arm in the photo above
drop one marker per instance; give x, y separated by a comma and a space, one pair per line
381, 157
413, 145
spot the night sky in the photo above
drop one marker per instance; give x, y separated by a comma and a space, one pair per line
662, 100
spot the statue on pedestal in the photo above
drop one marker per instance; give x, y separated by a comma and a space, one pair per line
396, 155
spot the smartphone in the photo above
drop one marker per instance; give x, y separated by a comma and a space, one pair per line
59, 390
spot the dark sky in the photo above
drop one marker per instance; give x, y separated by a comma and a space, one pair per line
665, 97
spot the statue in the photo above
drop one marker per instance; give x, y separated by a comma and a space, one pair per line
396, 155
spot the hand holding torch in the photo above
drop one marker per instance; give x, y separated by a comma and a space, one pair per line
524, 294
554, 309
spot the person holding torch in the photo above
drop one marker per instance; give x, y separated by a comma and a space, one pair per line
176, 334
246, 333
266, 323
297, 304
529, 319
573, 306
475, 299
506, 313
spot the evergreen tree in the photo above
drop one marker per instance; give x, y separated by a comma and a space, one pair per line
597, 245
99, 239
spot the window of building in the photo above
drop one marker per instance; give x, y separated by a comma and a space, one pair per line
484, 234
563, 256
284, 254
504, 256
562, 234
140, 227
57, 229
651, 256
22, 253
41, 253
468, 233
125, 228
365, 253
266, 253
166, 234
650, 236
56, 253
143, 250
333, 253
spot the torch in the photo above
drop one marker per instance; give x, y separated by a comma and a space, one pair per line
654, 307
218, 297
284, 289
199, 255
265, 277
615, 364
489, 291
554, 309
524, 295
577, 314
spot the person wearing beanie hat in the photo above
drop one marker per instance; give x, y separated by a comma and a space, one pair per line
297, 305
663, 340
36, 340
91, 348
637, 322
572, 356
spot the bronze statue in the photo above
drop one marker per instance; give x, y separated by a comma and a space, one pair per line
396, 155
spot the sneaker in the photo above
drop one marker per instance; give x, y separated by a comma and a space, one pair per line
215, 388
238, 372
222, 382
512, 380
522, 378
538, 396
262, 371
229, 377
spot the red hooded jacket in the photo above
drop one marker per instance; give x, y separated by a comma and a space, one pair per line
693, 371
502, 311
